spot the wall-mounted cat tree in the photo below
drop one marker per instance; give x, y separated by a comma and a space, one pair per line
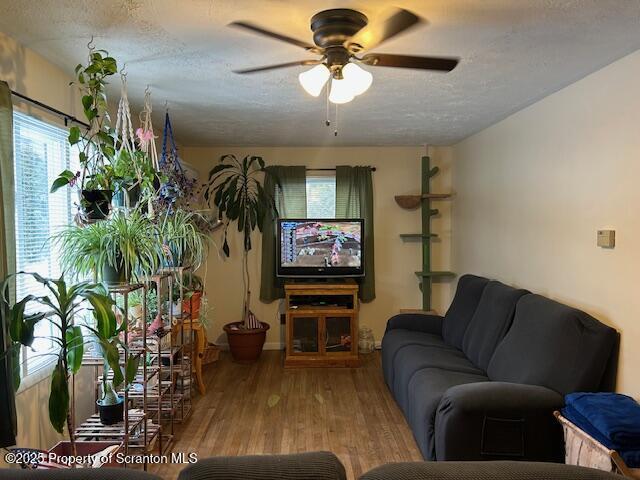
423, 201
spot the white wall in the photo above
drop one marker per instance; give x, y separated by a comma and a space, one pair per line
533, 189
398, 172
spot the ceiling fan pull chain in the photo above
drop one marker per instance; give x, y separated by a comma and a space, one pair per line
327, 122
335, 132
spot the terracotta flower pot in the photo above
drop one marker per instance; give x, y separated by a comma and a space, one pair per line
245, 345
191, 305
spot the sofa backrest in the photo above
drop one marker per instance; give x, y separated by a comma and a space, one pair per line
490, 322
553, 345
465, 302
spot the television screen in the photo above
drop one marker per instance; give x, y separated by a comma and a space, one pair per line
312, 248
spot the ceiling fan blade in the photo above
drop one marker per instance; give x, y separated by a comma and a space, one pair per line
279, 65
283, 38
440, 64
374, 34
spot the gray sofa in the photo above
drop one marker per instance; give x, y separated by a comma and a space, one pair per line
481, 383
326, 466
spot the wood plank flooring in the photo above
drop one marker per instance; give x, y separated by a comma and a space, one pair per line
263, 409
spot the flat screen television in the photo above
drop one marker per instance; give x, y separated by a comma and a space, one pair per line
320, 248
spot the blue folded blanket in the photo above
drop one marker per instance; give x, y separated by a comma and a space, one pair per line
611, 419
615, 416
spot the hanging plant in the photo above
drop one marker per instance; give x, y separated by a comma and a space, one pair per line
178, 190
95, 179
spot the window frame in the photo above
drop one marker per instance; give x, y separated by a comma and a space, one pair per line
34, 370
319, 174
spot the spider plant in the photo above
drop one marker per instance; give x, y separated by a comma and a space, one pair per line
120, 249
183, 244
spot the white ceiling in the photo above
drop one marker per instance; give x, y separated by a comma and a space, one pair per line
513, 52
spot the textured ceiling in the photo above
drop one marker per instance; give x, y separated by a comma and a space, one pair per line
513, 52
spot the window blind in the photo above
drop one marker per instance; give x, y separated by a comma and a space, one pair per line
41, 152
321, 196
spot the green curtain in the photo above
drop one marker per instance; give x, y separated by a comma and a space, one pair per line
288, 186
354, 199
8, 430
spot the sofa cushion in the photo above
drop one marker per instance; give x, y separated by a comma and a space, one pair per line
462, 308
490, 322
396, 339
413, 358
425, 390
295, 466
485, 470
553, 345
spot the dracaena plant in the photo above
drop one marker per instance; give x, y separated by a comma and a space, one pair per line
63, 305
235, 189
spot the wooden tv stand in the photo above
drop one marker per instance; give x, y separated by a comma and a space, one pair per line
321, 323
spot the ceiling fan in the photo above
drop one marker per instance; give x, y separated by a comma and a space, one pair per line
340, 36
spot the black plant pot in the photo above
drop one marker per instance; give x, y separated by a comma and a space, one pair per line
97, 203
132, 194
110, 414
114, 275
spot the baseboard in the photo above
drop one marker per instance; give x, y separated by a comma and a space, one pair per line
267, 346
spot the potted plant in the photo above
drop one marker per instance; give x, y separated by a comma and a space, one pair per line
117, 250
193, 287
135, 177
235, 190
96, 178
182, 242
60, 305
111, 405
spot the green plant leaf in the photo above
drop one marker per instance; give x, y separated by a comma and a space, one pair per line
87, 101
15, 365
75, 348
112, 356
133, 362
59, 397
103, 313
74, 135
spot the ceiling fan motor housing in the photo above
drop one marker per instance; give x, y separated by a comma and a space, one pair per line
331, 28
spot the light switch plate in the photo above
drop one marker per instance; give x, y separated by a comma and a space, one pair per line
607, 238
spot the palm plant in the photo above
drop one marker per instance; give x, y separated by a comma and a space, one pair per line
60, 306
122, 248
235, 190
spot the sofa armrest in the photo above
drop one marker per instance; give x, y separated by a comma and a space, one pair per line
497, 421
419, 322
301, 466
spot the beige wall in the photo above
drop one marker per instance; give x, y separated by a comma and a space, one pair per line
398, 172
32, 75
533, 189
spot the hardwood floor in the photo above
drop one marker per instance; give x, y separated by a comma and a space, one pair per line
263, 408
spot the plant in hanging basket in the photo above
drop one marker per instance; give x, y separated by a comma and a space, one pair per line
235, 189
61, 305
97, 143
135, 177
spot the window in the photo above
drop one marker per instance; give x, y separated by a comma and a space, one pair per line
321, 196
41, 152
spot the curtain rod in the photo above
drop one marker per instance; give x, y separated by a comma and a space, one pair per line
67, 118
373, 169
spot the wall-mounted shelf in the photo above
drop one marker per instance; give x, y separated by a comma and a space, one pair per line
419, 236
434, 274
409, 202
423, 201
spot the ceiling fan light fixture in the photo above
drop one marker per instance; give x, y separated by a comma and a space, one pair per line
359, 79
341, 91
314, 80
